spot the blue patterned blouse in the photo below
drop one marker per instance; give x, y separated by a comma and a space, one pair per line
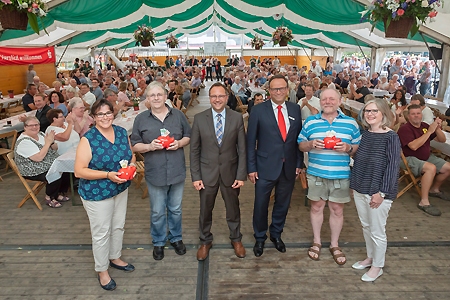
105, 157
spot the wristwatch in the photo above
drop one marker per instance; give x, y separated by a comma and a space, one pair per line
383, 195
350, 150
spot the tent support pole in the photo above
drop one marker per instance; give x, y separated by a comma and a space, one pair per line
64, 52
305, 52
431, 53
124, 51
433, 58
360, 49
101, 52
328, 54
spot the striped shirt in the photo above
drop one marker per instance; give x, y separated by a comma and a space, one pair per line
376, 165
327, 163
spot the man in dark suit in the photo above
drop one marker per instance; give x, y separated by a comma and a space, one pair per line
218, 69
41, 111
274, 160
218, 160
193, 61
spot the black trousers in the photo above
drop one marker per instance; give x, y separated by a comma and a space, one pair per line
283, 193
54, 188
208, 73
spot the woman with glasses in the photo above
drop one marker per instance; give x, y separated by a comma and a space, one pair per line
103, 193
34, 154
82, 121
374, 180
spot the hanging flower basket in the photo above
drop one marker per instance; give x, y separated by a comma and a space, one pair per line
17, 14
282, 36
144, 35
13, 19
400, 17
172, 41
145, 43
257, 42
398, 28
283, 42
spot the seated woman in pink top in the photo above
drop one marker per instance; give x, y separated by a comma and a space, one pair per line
81, 119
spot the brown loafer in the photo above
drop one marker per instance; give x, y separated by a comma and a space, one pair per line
203, 251
239, 249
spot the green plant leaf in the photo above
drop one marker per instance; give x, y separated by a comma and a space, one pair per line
32, 20
43, 26
414, 30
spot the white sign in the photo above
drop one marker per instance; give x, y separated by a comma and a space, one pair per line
215, 48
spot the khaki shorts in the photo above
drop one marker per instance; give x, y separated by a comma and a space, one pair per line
416, 165
334, 190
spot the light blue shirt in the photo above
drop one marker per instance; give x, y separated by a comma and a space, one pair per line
326, 163
214, 114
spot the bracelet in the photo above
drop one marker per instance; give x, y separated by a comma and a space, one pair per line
351, 149
107, 175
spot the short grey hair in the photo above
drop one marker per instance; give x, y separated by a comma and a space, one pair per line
74, 101
28, 119
157, 84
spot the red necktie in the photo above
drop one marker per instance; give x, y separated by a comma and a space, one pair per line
281, 123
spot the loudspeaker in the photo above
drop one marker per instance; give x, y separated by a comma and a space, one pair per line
437, 53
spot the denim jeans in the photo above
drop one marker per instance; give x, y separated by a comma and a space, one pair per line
424, 88
165, 205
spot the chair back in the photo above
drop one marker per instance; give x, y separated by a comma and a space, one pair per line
32, 192
408, 176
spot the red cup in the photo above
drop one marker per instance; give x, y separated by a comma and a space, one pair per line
330, 142
166, 141
127, 173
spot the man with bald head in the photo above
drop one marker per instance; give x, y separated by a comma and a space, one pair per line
328, 171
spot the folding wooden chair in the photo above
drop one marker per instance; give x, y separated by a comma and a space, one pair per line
14, 109
32, 192
2, 111
4, 151
241, 106
409, 178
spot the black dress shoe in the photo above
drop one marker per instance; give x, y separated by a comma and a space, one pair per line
110, 286
258, 249
179, 247
127, 268
158, 252
278, 244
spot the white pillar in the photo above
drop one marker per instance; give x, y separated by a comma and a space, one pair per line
373, 60
242, 44
445, 71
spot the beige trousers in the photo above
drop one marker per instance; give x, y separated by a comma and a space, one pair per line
107, 221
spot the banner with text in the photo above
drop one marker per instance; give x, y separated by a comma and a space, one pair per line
25, 56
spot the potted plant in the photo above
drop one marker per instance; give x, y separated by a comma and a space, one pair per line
282, 35
257, 42
144, 35
172, 41
17, 14
400, 17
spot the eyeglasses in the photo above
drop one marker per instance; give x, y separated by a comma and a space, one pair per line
60, 117
33, 125
108, 114
371, 111
214, 97
277, 90
152, 96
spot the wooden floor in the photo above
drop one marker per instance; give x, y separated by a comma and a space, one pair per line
47, 255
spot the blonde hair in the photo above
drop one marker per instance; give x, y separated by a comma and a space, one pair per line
383, 107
